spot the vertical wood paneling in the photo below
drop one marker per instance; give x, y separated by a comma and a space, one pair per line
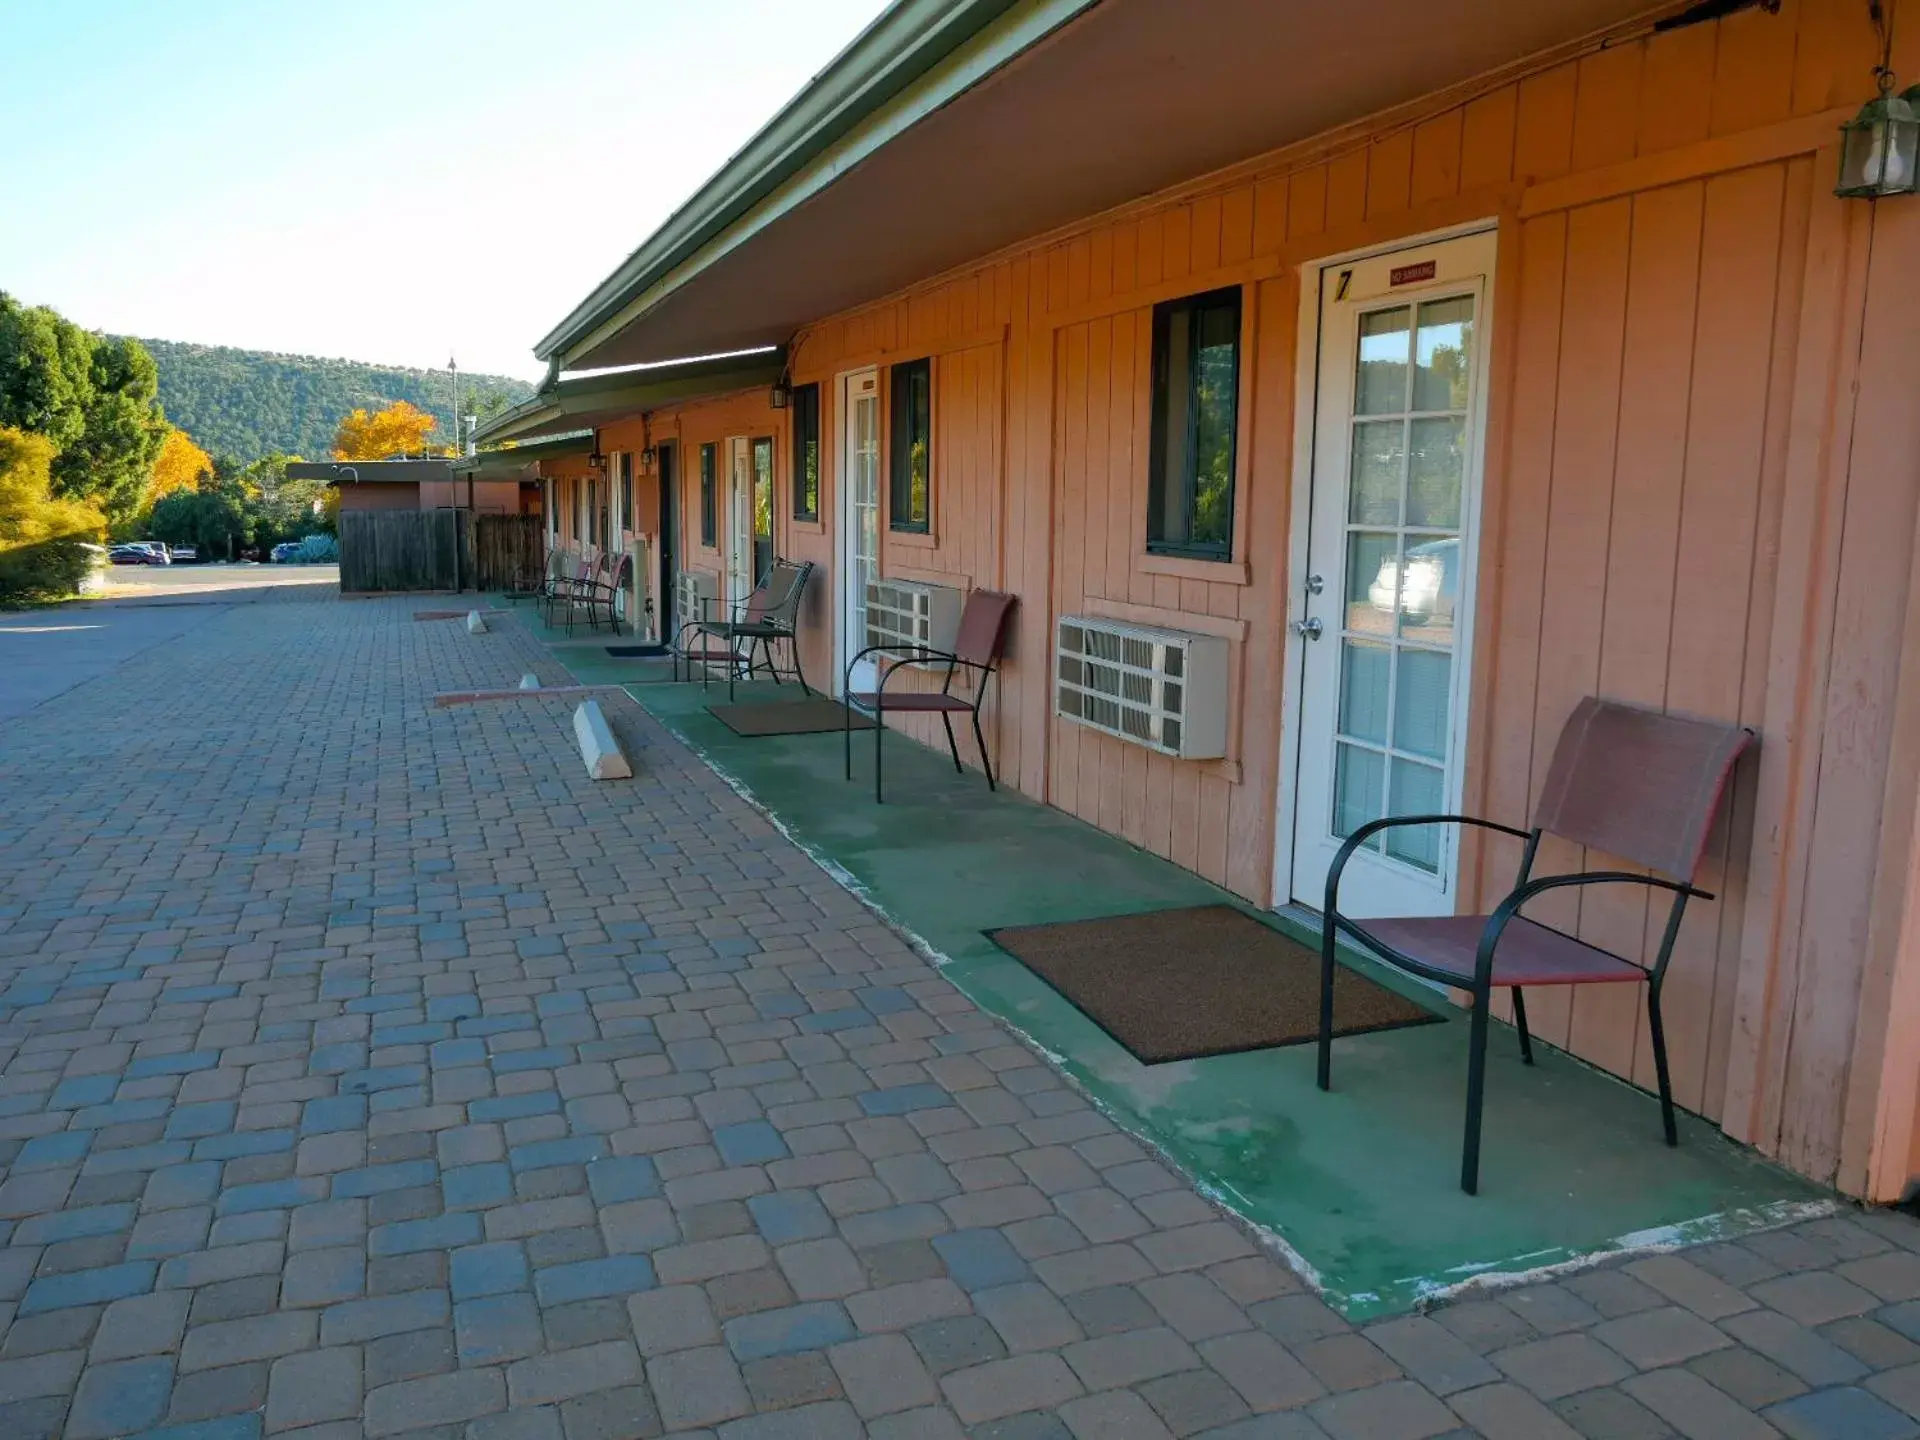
1676, 97
1347, 189
1643, 555
1390, 175
1713, 589
1732, 855
1486, 138
1436, 157
1754, 70
1593, 322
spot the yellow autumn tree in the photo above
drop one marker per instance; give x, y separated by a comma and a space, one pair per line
400, 429
180, 466
41, 536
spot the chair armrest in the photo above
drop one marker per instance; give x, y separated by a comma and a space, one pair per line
911, 655
1509, 908
1373, 827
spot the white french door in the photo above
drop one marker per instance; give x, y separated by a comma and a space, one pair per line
740, 576
859, 540
1383, 613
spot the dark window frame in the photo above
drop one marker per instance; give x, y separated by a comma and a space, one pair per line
901, 402
805, 407
1193, 308
763, 539
709, 516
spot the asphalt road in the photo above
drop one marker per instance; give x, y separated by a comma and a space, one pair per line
44, 653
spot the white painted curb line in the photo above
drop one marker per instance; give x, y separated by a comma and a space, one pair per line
597, 745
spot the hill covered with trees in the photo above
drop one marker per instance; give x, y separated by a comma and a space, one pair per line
253, 403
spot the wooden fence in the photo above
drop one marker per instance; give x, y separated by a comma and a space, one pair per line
506, 548
405, 550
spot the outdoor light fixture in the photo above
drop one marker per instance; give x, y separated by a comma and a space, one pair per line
646, 458
781, 393
1880, 147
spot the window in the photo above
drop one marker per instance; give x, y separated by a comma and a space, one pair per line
708, 524
1196, 402
762, 505
624, 461
806, 452
910, 477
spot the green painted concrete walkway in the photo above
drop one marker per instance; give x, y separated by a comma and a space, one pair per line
1361, 1183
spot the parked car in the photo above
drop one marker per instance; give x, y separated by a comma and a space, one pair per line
185, 555
157, 549
283, 552
132, 555
1428, 587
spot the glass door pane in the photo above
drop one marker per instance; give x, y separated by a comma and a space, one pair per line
1406, 478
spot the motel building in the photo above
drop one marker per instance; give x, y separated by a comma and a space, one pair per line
1377, 383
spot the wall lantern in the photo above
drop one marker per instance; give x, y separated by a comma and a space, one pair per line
646, 460
781, 393
1880, 147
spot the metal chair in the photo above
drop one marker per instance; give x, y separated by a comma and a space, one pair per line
531, 581
978, 646
1624, 781
602, 594
567, 587
769, 615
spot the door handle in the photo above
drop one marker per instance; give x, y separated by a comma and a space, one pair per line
1308, 629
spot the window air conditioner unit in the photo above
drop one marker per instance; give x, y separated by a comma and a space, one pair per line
1165, 689
692, 589
905, 612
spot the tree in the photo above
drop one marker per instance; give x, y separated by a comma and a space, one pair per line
45, 372
217, 516
95, 399
41, 536
400, 429
123, 430
179, 465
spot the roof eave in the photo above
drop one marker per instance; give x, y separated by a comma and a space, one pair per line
911, 38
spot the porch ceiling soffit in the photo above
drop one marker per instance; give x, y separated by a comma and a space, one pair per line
517, 461
587, 401
1053, 112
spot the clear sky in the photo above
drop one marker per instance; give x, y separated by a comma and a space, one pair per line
384, 180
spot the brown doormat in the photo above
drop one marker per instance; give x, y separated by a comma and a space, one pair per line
1183, 984
787, 717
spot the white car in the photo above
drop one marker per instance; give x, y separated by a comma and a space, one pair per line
1428, 587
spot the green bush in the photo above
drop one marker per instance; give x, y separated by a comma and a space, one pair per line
50, 570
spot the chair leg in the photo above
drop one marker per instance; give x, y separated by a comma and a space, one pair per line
846, 725
1658, 1034
1476, 1092
986, 762
953, 746
1520, 1023
879, 729
793, 645
1326, 1002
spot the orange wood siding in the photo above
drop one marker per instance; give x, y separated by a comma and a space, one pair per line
1698, 495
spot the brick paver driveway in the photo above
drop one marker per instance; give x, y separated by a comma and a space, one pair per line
367, 1070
